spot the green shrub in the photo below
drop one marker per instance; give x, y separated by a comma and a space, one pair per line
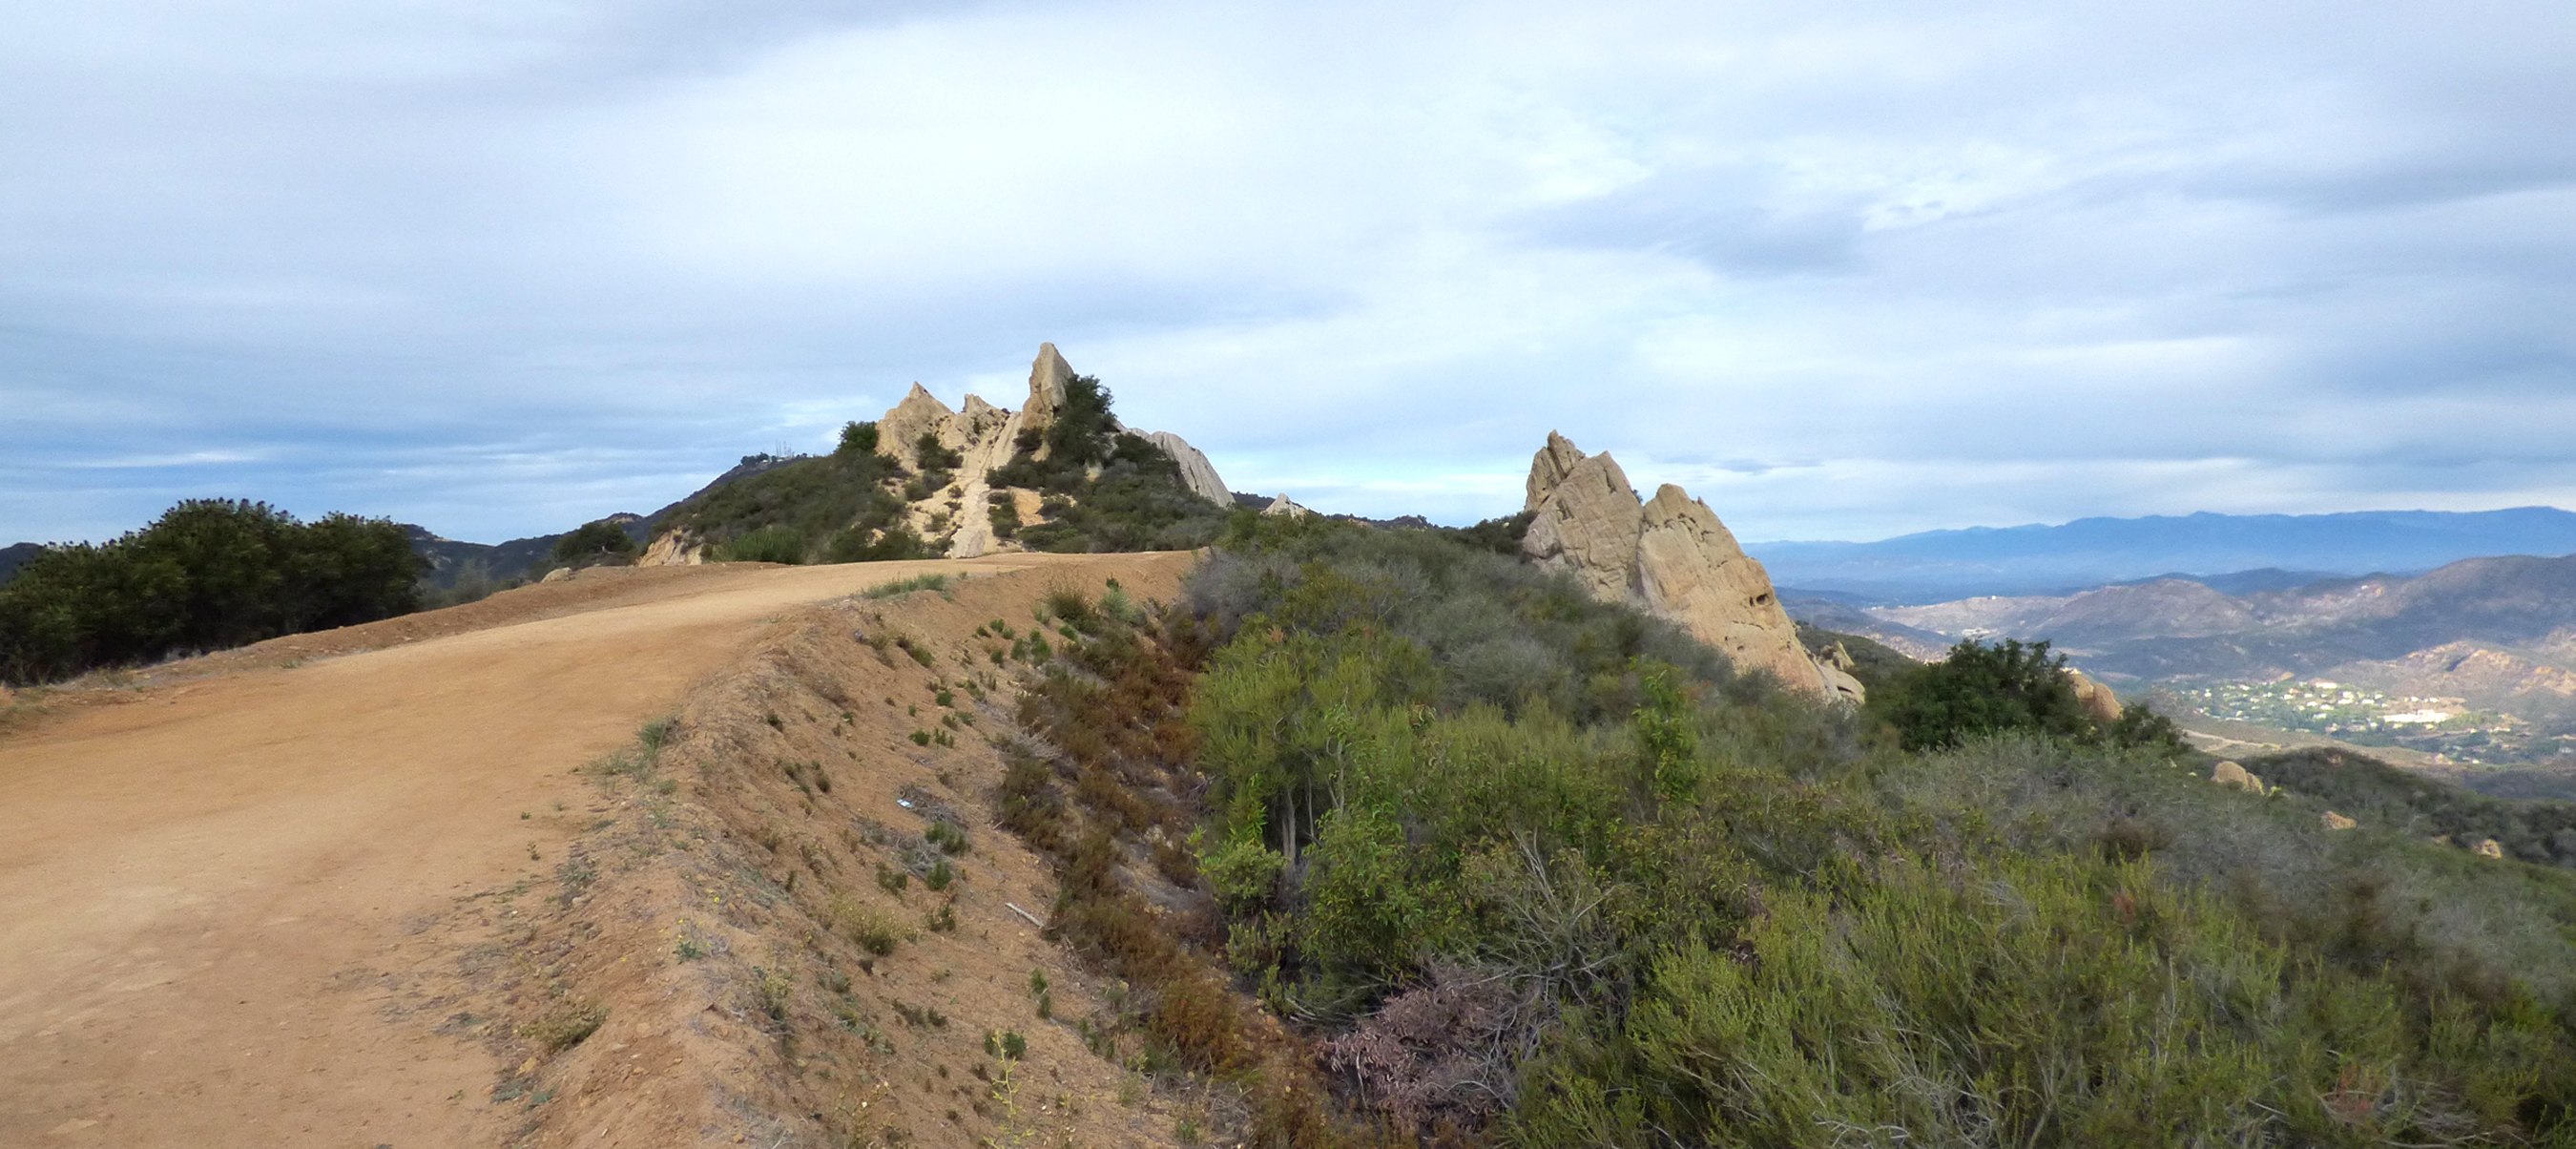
858, 439
565, 1026
594, 541
937, 582
207, 575
770, 544
1981, 689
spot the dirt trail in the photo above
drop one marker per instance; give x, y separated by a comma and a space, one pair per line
215, 892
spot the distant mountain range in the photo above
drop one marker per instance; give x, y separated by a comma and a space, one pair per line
15, 555
2499, 633
2231, 553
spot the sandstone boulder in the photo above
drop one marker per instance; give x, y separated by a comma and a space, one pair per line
675, 549
1691, 571
1282, 506
1586, 520
899, 431
1047, 379
2231, 774
2097, 700
1197, 473
2335, 821
559, 574
2490, 848
1670, 556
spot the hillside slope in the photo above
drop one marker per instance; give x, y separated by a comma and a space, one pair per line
239, 888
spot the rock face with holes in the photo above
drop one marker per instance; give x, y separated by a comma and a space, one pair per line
1670, 556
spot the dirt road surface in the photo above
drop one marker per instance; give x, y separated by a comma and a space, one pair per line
212, 884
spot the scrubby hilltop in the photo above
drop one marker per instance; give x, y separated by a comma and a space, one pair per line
1061, 473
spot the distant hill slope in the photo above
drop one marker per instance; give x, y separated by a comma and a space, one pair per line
451, 560
2173, 628
15, 555
2258, 551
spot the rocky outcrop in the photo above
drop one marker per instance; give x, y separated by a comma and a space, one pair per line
899, 430
1047, 379
1670, 556
2490, 848
2097, 700
2335, 821
985, 438
1197, 473
1584, 520
676, 549
1283, 506
2232, 775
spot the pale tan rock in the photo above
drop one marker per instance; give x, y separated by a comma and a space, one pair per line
1283, 506
899, 431
2096, 699
2335, 821
2490, 848
1671, 557
1587, 520
1549, 468
1839, 684
1197, 473
2231, 774
559, 574
1048, 375
674, 549
986, 438
1690, 570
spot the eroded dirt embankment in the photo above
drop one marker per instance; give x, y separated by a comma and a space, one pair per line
338, 889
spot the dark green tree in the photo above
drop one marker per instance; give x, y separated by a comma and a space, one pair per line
207, 575
595, 540
1981, 689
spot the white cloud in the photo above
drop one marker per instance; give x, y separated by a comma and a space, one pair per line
1843, 269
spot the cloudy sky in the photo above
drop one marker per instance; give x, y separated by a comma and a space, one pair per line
1843, 269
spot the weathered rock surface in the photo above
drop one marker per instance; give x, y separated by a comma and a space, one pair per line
986, 438
1283, 506
2096, 699
1586, 520
676, 549
1196, 472
1047, 379
2232, 775
1692, 572
2490, 848
899, 430
2335, 821
1670, 556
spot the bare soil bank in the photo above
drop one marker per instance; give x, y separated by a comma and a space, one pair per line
337, 889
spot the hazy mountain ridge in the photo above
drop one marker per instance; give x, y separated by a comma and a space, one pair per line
2239, 552
2498, 634
15, 555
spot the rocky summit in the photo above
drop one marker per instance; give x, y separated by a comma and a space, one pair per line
1670, 556
956, 454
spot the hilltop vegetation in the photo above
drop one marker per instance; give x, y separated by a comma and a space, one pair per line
1098, 488
1102, 489
841, 507
1528, 869
208, 574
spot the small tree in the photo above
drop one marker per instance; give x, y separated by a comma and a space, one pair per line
593, 540
858, 439
1981, 689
